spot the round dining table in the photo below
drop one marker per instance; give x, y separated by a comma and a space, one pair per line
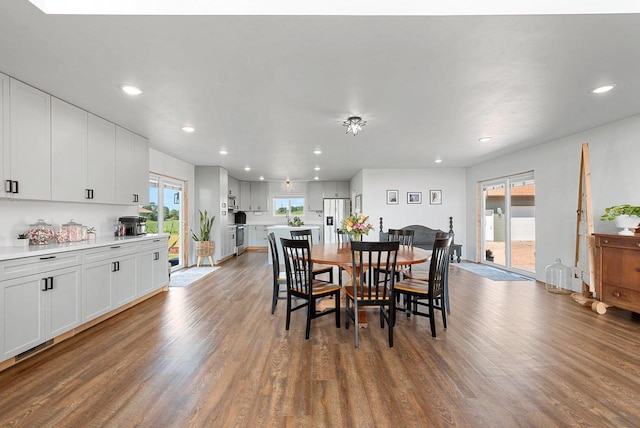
340, 255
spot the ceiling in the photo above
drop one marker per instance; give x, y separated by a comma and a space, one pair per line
271, 89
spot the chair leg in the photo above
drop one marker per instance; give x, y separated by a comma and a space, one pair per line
356, 326
274, 299
288, 310
444, 313
311, 308
347, 312
337, 299
432, 318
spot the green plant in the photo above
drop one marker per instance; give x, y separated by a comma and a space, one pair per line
91, 230
617, 210
22, 236
296, 222
206, 224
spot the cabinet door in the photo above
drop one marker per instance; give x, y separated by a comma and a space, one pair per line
126, 279
259, 192
30, 140
145, 272
23, 304
261, 238
141, 170
124, 166
245, 196
343, 189
314, 196
4, 135
160, 268
101, 160
65, 309
96, 289
252, 230
68, 152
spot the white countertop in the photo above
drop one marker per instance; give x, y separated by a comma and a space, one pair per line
304, 226
8, 253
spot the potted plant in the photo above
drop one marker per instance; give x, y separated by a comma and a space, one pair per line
204, 245
488, 255
627, 217
91, 234
22, 240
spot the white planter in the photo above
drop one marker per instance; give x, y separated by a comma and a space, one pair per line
627, 223
21, 243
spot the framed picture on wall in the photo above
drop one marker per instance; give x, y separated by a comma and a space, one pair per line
435, 197
358, 203
414, 197
392, 197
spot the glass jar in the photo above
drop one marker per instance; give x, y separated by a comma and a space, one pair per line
558, 278
74, 231
40, 232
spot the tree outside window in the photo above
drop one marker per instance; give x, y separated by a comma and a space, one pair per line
291, 205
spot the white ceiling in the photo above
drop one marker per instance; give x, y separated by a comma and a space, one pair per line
271, 89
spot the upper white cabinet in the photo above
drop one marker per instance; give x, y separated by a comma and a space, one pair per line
314, 196
132, 168
68, 152
259, 196
101, 160
29, 169
336, 189
245, 196
4, 136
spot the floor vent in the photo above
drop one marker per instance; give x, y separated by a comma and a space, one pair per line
33, 350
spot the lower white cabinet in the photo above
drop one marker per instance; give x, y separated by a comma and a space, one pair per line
38, 307
153, 267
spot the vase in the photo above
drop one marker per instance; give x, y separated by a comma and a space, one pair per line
627, 223
356, 237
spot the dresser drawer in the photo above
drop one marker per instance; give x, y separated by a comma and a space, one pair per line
618, 242
621, 297
622, 267
16, 268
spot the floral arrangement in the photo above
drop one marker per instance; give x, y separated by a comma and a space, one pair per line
356, 225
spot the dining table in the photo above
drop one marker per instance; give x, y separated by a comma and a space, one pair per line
340, 255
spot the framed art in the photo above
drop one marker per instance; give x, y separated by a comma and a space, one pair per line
392, 197
414, 197
358, 203
435, 197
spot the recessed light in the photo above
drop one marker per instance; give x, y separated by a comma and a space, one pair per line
131, 89
247, 168
438, 161
317, 152
188, 128
604, 88
316, 178
317, 168
484, 139
223, 152
261, 177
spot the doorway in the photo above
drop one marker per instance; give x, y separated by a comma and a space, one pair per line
165, 214
508, 223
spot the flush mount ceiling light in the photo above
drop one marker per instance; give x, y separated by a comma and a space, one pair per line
188, 128
484, 139
223, 152
317, 152
262, 177
354, 124
287, 184
438, 161
317, 168
604, 88
316, 178
131, 89
247, 168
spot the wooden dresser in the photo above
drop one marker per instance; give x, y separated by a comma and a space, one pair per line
618, 270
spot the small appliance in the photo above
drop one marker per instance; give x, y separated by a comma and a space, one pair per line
134, 225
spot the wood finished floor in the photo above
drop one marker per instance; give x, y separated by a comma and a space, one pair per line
212, 355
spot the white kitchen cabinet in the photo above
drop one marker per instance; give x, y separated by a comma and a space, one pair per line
109, 278
245, 196
234, 187
39, 306
101, 160
68, 152
336, 189
261, 236
4, 136
251, 235
124, 166
153, 271
315, 193
29, 170
229, 242
141, 170
259, 196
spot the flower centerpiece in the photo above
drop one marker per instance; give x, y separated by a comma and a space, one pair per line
355, 226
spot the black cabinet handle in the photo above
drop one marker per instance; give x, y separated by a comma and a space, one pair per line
115, 246
156, 256
47, 258
113, 267
8, 186
135, 197
46, 284
88, 193
14, 190
50, 283
118, 266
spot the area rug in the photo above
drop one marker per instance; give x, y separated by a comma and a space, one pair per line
491, 272
185, 277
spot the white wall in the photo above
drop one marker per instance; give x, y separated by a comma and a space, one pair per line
376, 182
556, 165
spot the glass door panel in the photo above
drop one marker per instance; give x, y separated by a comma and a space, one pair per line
523, 226
495, 230
172, 219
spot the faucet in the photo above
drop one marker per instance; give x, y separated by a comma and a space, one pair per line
288, 218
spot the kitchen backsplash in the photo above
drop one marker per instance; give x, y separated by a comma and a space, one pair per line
17, 215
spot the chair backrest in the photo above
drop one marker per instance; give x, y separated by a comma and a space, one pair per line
375, 263
439, 267
298, 264
443, 235
404, 236
275, 258
302, 234
342, 237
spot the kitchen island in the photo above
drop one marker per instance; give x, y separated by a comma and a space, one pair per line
283, 231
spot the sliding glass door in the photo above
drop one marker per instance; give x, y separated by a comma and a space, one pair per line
165, 213
508, 223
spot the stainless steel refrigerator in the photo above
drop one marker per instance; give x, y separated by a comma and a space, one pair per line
334, 211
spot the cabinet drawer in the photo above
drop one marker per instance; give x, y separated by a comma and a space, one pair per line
105, 253
152, 244
16, 268
618, 242
621, 297
622, 267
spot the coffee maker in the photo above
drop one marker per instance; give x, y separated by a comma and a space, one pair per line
134, 225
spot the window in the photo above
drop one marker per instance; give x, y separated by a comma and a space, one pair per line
292, 206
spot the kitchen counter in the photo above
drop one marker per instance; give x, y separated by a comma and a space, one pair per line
9, 253
284, 231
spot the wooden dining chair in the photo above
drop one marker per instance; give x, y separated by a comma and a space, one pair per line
343, 239
279, 278
428, 293
373, 264
405, 238
318, 269
301, 284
